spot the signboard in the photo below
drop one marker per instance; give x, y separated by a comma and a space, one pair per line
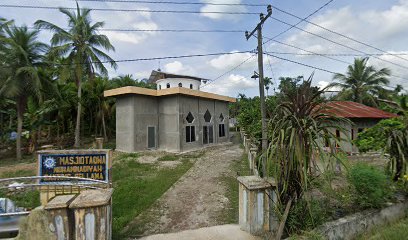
92, 164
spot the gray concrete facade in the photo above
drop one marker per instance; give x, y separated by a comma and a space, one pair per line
168, 115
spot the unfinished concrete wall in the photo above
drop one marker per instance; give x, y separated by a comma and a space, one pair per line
190, 104
169, 123
146, 115
222, 108
125, 117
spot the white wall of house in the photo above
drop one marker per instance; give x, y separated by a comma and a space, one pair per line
174, 82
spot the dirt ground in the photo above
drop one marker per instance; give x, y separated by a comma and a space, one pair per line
196, 200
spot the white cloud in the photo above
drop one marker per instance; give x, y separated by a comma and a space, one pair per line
137, 21
228, 61
222, 8
231, 85
179, 68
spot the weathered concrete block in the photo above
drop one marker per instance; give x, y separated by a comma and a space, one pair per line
61, 217
255, 201
93, 215
37, 226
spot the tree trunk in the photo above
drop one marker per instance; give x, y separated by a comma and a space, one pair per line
104, 127
78, 118
283, 222
20, 112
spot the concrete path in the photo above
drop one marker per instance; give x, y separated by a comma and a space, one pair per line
197, 200
223, 232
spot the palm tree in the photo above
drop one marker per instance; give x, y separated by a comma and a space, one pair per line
361, 82
267, 83
22, 55
81, 44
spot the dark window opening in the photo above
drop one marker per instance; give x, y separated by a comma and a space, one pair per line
208, 136
360, 130
180, 85
159, 87
352, 134
221, 130
168, 85
207, 116
191, 86
338, 137
190, 133
221, 118
190, 117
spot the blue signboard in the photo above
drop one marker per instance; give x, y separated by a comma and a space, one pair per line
93, 165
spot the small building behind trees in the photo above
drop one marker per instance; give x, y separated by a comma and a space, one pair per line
176, 117
360, 116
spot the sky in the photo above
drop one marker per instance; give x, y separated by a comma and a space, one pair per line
379, 23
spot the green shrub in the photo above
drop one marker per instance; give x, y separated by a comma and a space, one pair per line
306, 215
371, 186
375, 138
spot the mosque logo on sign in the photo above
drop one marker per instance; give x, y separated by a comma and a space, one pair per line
49, 163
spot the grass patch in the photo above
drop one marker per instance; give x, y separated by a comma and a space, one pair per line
137, 186
395, 231
18, 173
5, 162
29, 199
168, 158
231, 214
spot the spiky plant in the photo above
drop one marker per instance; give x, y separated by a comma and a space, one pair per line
301, 125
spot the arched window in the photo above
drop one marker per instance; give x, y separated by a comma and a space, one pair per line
180, 85
191, 86
168, 85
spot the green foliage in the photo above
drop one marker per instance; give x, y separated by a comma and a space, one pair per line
397, 148
394, 231
371, 186
375, 138
362, 83
137, 187
169, 157
26, 198
306, 215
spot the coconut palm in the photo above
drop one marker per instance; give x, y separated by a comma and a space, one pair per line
267, 83
82, 45
22, 54
361, 83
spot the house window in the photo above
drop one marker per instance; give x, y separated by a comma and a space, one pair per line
190, 134
338, 137
168, 85
221, 130
191, 86
207, 116
180, 85
221, 118
352, 134
190, 117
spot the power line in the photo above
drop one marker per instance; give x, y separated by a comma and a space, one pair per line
340, 44
302, 19
337, 33
232, 69
129, 10
157, 30
302, 64
177, 3
160, 58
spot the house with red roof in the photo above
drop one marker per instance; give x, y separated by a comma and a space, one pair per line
361, 117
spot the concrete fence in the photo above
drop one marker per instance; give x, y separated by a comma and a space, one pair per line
252, 151
86, 216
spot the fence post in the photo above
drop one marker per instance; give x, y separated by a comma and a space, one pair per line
255, 204
93, 214
252, 157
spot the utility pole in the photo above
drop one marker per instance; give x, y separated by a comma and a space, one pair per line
258, 29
